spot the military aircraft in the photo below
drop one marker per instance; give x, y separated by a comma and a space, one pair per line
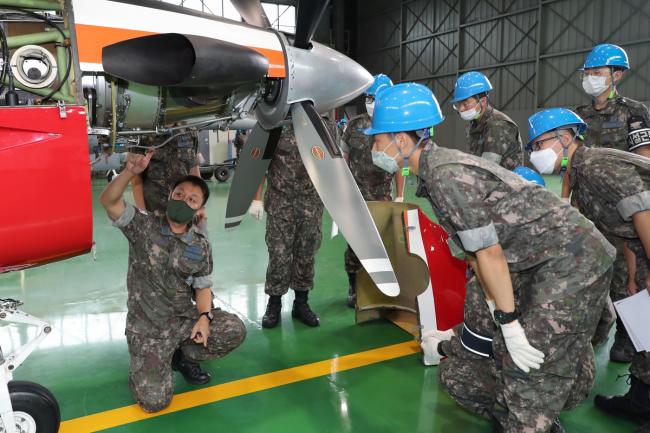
141, 67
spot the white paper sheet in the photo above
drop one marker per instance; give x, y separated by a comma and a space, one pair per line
634, 311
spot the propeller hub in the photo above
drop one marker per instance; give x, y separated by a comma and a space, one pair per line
320, 75
325, 77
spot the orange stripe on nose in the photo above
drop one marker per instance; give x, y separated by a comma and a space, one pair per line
91, 39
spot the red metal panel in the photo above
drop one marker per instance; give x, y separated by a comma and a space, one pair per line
46, 211
448, 274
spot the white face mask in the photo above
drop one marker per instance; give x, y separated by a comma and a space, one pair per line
594, 86
370, 108
471, 114
385, 162
544, 160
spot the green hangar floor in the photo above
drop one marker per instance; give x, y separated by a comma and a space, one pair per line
340, 377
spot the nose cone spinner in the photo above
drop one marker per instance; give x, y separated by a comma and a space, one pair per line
324, 76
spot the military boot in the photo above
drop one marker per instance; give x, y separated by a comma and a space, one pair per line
634, 405
622, 350
302, 311
352, 289
191, 371
272, 313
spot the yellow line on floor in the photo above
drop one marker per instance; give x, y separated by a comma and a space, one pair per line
128, 414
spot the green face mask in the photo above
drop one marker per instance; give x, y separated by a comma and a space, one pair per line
179, 212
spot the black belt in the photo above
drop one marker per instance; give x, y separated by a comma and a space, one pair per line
475, 342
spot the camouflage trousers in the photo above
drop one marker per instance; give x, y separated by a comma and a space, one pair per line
351, 261
496, 389
150, 369
292, 240
640, 367
617, 291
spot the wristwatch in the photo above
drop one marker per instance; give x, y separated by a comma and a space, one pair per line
207, 314
503, 318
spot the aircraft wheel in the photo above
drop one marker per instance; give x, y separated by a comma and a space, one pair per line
206, 173
222, 173
35, 408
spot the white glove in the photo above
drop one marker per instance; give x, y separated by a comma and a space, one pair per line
430, 342
399, 199
257, 209
522, 353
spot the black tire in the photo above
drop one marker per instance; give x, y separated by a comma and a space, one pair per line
37, 403
206, 173
39, 389
222, 173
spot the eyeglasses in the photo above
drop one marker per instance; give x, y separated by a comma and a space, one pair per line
465, 105
536, 145
596, 72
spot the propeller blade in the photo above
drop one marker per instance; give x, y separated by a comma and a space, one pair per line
172, 59
252, 12
340, 194
310, 13
254, 159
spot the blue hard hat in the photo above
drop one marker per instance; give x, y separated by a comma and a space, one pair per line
607, 55
551, 119
530, 175
470, 84
405, 107
381, 82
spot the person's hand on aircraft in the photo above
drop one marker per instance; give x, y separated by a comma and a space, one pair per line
430, 342
136, 163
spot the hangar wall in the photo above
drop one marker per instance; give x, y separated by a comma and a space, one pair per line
530, 49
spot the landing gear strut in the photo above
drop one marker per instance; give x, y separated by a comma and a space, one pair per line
25, 407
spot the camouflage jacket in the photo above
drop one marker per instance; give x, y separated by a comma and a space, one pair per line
609, 127
168, 164
374, 183
609, 186
481, 204
288, 183
164, 269
495, 137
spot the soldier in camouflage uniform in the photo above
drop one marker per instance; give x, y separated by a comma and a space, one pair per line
375, 184
170, 263
544, 265
491, 134
240, 139
293, 231
612, 188
174, 160
608, 117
